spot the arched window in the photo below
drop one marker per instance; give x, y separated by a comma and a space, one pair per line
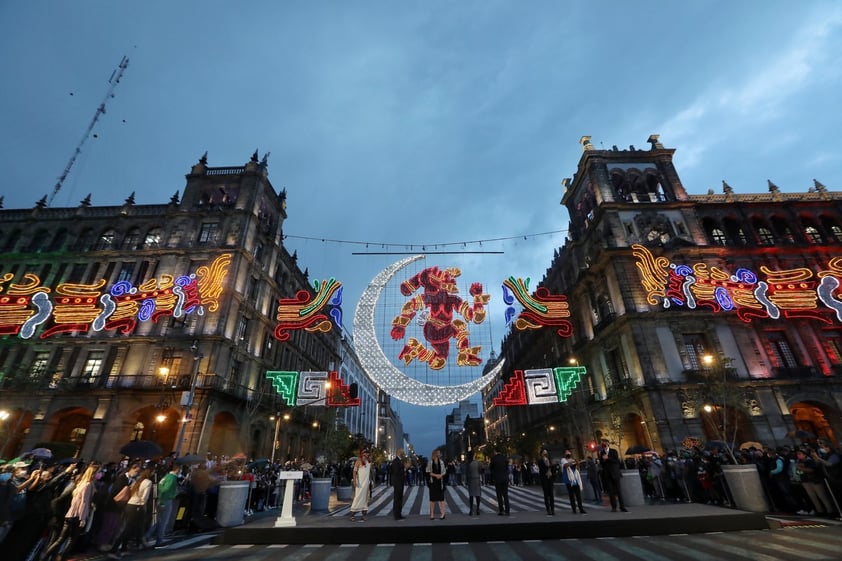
57, 244
837, 233
784, 234
132, 239
105, 240
11, 242
153, 238
735, 231
813, 235
38, 241
718, 237
765, 236
86, 240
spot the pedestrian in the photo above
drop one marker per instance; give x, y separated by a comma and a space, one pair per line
135, 511
436, 473
397, 474
609, 461
474, 479
499, 467
361, 478
77, 516
167, 492
545, 475
594, 477
573, 481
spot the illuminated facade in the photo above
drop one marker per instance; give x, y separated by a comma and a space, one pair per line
711, 317
124, 322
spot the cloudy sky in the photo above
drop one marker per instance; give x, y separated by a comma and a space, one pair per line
416, 124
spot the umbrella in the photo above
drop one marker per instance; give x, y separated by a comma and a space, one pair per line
141, 449
40, 453
750, 444
257, 464
802, 434
637, 449
190, 459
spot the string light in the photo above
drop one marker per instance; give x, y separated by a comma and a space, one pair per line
403, 246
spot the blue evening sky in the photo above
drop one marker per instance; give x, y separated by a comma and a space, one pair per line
416, 123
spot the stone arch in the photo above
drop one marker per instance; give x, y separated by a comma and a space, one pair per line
69, 425
17, 426
815, 414
634, 432
224, 435
158, 424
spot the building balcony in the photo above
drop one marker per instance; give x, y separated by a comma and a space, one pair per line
605, 321
800, 372
710, 375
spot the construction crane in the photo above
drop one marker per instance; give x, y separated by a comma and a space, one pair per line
112, 81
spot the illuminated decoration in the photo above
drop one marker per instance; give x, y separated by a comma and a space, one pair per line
542, 309
80, 308
312, 388
302, 313
540, 386
382, 372
438, 300
779, 294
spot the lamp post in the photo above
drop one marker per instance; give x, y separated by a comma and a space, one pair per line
187, 400
277, 418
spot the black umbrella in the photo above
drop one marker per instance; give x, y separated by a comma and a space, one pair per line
637, 449
257, 464
190, 459
141, 449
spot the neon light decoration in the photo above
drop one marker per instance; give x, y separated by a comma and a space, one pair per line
788, 293
312, 388
75, 307
438, 301
542, 309
540, 386
302, 313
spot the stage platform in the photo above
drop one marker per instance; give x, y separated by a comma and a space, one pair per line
528, 521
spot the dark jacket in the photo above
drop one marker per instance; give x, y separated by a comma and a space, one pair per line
499, 467
610, 463
397, 472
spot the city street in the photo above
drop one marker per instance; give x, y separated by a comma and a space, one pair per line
808, 543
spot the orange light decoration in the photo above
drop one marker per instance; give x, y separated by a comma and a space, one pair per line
82, 307
778, 294
541, 309
305, 312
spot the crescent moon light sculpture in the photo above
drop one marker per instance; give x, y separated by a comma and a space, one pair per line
381, 370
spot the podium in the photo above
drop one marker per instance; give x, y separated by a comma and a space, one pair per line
286, 518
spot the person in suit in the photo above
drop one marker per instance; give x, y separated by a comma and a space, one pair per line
609, 460
545, 473
397, 473
499, 467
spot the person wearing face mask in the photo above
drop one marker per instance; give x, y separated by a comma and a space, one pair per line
609, 460
545, 474
573, 481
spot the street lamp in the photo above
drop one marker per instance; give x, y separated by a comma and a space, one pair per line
277, 418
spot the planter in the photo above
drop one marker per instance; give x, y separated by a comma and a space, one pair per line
320, 493
344, 493
631, 488
745, 487
230, 510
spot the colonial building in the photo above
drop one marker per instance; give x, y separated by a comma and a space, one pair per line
711, 317
156, 322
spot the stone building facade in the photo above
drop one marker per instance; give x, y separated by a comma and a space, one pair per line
710, 317
180, 358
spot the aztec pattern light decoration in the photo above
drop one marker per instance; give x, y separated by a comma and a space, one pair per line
312, 388
788, 293
80, 308
303, 313
437, 301
541, 309
540, 386
380, 369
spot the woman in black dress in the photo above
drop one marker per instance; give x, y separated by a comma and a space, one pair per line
436, 474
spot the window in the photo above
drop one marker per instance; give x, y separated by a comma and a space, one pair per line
781, 350
813, 235
39, 365
695, 347
718, 237
153, 238
765, 236
92, 368
77, 274
58, 241
242, 328
209, 234
618, 371
176, 235
105, 240
837, 233
86, 240
132, 239
258, 252
38, 241
126, 270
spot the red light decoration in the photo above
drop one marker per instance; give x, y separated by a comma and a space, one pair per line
513, 392
305, 311
541, 309
775, 294
312, 389
339, 394
439, 297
